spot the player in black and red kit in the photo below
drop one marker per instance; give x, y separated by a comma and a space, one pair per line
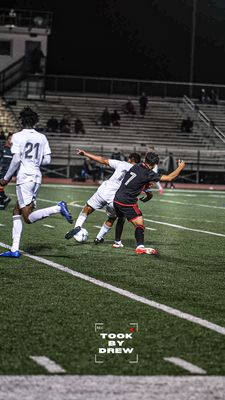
125, 201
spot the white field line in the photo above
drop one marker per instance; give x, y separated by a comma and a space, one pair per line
185, 365
2, 225
48, 364
185, 228
126, 293
150, 229
150, 220
49, 226
190, 204
97, 226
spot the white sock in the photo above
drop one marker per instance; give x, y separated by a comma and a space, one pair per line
103, 231
81, 219
158, 185
43, 213
16, 232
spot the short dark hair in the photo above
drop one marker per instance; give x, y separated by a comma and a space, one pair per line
28, 117
135, 157
151, 158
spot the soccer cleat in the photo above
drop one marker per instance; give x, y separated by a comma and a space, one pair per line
65, 212
117, 245
12, 254
146, 250
98, 241
74, 231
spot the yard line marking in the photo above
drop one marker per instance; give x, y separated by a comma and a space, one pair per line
185, 365
190, 204
49, 226
2, 225
185, 228
150, 229
126, 293
48, 364
97, 226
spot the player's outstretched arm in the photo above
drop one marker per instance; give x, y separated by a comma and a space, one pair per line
175, 173
94, 157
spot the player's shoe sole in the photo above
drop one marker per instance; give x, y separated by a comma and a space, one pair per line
117, 245
98, 241
65, 212
146, 250
7, 201
74, 231
12, 254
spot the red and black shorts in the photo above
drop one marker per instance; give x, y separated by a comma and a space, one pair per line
128, 211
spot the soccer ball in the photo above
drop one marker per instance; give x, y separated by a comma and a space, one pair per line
81, 236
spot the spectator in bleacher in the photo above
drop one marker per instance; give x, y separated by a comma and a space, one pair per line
36, 61
186, 125
64, 125
79, 126
213, 97
202, 97
116, 155
128, 108
115, 118
52, 125
143, 102
105, 118
169, 164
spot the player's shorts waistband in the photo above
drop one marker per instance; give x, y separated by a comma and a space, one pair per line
125, 205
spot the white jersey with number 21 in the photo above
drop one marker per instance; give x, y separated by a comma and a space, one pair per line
31, 146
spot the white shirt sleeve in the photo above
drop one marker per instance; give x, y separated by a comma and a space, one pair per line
47, 149
16, 145
114, 163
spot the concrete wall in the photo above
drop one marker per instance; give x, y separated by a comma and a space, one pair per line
18, 38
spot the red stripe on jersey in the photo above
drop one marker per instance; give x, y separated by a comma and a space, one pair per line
136, 209
125, 205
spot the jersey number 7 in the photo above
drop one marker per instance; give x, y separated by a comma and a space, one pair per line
133, 175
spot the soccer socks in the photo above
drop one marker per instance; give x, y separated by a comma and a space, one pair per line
81, 219
139, 235
43, 213
119, 229
16, 232
103, 231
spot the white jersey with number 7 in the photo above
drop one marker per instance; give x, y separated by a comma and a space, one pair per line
31, 146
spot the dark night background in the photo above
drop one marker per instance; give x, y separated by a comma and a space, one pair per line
134, 39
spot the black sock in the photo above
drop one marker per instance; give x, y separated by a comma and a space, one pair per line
139, 235
119, 229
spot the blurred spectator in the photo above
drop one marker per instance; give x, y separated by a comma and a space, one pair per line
105, 117
116, 155
202, 97
169, 165
186, 125
143, 101
128, 108
12, 18
79, 126
36, 61
213, 97
52, 124
115, 118
64, 125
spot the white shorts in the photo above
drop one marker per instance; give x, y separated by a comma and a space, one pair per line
97, 203
27, 193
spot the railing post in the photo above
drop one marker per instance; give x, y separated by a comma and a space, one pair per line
68, 161
198, 165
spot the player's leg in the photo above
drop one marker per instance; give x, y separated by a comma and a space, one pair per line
94, 203
16, 234
119, 225
107, 226
138, 224
87, 210
159, 187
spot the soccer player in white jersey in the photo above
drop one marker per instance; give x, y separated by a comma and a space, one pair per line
104, 196
30, 150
